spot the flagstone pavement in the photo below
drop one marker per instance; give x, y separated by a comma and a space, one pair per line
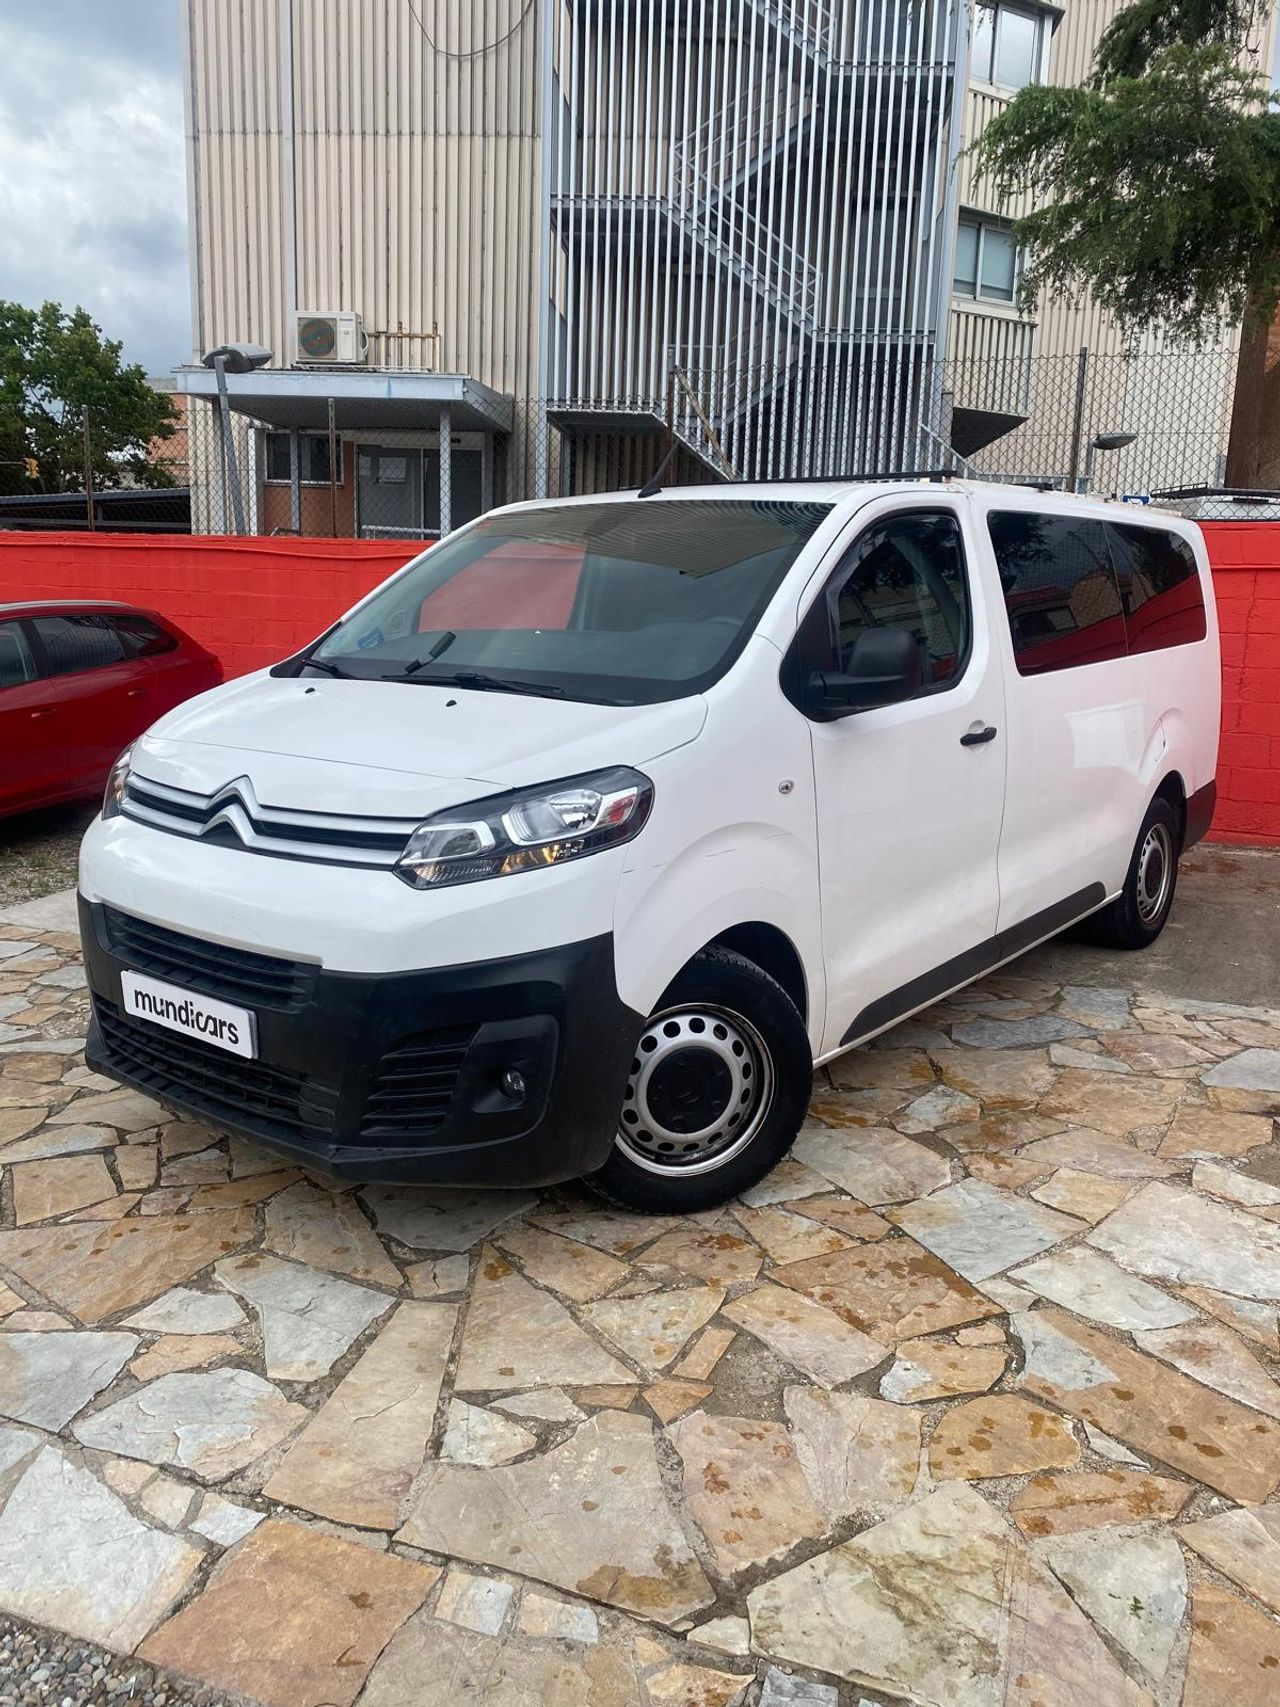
973, 1401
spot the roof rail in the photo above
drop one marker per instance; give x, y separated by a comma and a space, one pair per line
832, 479
1240, 494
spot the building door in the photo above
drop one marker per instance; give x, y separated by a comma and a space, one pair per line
466, 477
389, 492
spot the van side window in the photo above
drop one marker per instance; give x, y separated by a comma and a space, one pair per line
1164, 603
908, 572
1060, 590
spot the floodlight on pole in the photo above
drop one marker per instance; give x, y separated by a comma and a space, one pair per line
238, 359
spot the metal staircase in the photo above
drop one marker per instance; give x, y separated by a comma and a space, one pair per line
815, 26
780, 235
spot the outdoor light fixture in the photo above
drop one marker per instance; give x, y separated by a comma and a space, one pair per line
1104, 441
237, 358
233, 358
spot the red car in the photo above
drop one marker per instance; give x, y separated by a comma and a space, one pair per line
79, 679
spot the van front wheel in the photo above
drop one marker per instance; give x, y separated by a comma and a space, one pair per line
718, 1088
1137, 915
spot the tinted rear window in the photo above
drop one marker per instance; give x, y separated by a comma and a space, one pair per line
73, 643
1060, 590
142, 638
1161, 587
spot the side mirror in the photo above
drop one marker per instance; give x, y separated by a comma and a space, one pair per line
884, 668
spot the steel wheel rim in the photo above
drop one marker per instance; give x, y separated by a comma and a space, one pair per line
1155, 873
700, 1087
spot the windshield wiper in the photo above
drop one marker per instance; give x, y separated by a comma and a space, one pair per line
434, 651
484, 683
329, 669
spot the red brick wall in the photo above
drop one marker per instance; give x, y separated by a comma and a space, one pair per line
252, 601
1246, 578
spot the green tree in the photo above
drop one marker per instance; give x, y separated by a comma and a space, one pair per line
1156, 185
53, 365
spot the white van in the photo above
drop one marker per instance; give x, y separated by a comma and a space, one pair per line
572, 848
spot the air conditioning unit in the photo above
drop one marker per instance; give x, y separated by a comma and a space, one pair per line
331, 340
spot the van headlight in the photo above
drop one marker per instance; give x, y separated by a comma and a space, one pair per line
527, 829
114, 794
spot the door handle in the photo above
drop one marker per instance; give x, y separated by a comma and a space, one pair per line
978, 737
39, 716
136, 693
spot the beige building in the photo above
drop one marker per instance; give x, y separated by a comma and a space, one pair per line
504, 247
509, 246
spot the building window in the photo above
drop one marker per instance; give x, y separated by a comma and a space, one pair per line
986, 261
313, 458
1008, 46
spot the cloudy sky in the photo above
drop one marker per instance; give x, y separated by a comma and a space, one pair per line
93, 191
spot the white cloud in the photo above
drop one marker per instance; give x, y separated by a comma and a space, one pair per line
93, 193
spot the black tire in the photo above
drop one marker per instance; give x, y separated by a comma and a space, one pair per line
1139, 912
725, 1045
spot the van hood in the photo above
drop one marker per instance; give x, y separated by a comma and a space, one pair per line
393, 748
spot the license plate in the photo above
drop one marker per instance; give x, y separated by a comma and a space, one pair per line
219, 1023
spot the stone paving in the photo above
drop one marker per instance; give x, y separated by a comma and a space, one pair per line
974, 1401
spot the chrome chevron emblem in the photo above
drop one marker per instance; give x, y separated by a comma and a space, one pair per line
235, 805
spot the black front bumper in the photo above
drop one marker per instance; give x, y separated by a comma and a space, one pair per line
393, 1076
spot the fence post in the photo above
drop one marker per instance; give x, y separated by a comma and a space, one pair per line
1077, 421
88, 466
445, 435
230, 469
333, 472
295, 480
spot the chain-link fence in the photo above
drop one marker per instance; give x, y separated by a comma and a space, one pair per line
1149, 426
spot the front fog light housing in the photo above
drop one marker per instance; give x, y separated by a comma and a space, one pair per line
527, 829
114, 795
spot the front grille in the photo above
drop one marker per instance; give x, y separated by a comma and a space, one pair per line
233, 817
209, 968
415, 1085
223, 1087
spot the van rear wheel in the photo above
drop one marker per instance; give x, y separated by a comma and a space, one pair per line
718, 1088
1138, 914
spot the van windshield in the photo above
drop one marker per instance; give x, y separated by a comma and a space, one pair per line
614, 603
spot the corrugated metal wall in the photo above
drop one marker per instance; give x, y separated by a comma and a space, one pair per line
1064, 326
341, 159
236, 144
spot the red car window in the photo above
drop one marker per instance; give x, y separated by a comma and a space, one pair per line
143, 638
16, 663
74, 643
